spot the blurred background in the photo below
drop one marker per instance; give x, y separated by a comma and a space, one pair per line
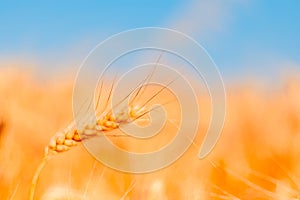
255, 45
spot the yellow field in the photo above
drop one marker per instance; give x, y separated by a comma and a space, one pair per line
257, 156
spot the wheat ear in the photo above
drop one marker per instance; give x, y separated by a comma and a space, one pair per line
70, 137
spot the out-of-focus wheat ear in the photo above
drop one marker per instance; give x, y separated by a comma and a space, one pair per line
256, 187
228, 195
2, 126
275, 181
293, 180
1, 130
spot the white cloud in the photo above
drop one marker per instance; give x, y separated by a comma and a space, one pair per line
203, 17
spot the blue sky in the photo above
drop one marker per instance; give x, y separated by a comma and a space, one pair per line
242, 36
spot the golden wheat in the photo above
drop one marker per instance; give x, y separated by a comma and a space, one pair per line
71, 136
256, 158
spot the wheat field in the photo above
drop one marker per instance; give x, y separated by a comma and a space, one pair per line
257, 156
